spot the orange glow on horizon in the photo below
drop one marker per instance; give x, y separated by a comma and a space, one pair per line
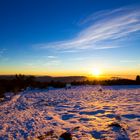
94, 73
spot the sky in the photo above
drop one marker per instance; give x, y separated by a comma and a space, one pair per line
70, 37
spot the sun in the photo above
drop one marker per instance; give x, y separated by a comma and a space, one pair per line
96, 72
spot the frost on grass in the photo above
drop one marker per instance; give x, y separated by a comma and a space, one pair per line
81, 113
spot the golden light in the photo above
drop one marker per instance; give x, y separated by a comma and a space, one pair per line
96, 72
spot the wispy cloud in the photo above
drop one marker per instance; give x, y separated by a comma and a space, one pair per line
3, 58
44, 61
2, 51
52, 57
104, 26
69, 51
128, 61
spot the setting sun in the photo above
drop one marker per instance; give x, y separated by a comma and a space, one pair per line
96, 72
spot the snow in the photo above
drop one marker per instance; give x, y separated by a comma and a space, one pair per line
87, 112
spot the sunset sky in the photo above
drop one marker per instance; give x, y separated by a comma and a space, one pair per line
70, 37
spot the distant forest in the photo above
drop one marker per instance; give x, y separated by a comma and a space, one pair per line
20, 82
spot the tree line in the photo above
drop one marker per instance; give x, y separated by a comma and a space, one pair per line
21, 82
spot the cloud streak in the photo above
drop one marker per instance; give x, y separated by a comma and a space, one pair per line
2, 51
108, 26
128, 61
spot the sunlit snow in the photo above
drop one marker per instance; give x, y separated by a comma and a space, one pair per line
87, 112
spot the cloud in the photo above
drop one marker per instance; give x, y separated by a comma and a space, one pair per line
3, 58
69, 51
2, 51
52, 57
128, 61
43, 62
108, 26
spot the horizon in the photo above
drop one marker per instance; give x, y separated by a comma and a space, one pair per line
90, 77
70, 38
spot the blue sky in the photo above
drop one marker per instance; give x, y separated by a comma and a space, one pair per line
69, 37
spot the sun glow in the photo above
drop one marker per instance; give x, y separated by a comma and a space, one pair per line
96, 72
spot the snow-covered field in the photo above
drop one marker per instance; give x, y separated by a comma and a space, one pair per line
86, 112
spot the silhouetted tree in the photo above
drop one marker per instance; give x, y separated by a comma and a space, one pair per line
138, 78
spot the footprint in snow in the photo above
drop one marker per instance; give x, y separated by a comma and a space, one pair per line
92, 112
66, 136
67, 116
97, 135
119, 130
131, 116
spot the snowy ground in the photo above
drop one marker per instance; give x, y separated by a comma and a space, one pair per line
87, 112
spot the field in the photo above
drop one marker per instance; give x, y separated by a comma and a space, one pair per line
85, 112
